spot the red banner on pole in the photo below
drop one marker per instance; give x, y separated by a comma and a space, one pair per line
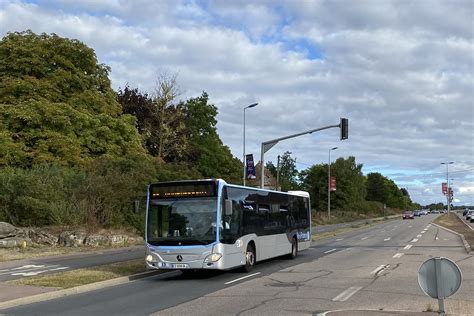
333, 184
444, 187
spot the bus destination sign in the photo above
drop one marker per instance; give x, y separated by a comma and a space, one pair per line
183, 190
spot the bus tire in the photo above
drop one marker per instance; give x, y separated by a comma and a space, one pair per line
294, 249
249, 259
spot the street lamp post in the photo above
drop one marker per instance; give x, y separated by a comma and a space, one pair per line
244, 160
329, 182
448, 202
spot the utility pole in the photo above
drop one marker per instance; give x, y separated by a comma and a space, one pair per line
329, 182
243, 150
448, 194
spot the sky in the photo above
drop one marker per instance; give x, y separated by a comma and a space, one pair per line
400, 71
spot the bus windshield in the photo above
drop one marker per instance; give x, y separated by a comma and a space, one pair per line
188, 221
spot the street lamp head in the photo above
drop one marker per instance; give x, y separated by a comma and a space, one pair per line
334, 148
251, 105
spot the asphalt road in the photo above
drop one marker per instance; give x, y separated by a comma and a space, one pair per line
338, 266
24, 268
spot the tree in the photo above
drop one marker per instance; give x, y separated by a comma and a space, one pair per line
288, 173
376, 187
211, 157
57, 104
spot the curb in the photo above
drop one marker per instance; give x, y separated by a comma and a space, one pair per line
462, 220
376, 311
466, 245
76, 290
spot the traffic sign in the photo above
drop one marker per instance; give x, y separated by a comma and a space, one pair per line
333, 183
439, 278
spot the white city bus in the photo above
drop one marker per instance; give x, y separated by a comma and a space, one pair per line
209, 224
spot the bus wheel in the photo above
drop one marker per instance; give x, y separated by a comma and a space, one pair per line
249, 258
294, 249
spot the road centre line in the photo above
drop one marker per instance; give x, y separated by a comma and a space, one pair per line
418, 235
346, 294
414, 240
339, 239
244, 277
423, 231
387, 239
407, 247
398, 255
330, 250
364, 238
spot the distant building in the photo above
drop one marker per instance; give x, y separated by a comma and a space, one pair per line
269, 180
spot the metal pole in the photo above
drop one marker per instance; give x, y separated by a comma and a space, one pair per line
270, 143
447, 184
329, 185
278, 173
243, 150
439, 289
244, 161
329, 182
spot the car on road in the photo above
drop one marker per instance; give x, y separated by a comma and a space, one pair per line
469, 215
408, 215
464, 213
417, 213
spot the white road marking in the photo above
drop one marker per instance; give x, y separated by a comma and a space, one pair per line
245, 277
330, 250
339, 239
397, 255
418, 235
414, 240
345, 295
380, 267
31, 269
410, 226
436, 238
407, 247
445, 239
423, 231
387, 239
364, 238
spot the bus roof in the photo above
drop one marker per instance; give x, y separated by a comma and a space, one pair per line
300, 193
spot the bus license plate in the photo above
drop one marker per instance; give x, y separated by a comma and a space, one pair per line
181, 266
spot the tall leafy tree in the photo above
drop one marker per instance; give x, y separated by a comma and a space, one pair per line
288, 173
376, 190
211, 156
57, 104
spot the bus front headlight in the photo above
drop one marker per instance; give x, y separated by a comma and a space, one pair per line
149, 258
213, 257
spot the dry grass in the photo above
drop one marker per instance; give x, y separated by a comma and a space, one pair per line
79, 277
8, 254
453, 222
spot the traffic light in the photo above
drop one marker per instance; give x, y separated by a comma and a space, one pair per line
344, 127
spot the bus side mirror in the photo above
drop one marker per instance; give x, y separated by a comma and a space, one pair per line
228, 208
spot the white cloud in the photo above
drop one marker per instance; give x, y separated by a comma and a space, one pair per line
402, 72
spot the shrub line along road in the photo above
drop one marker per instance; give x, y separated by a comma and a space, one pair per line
375, 267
